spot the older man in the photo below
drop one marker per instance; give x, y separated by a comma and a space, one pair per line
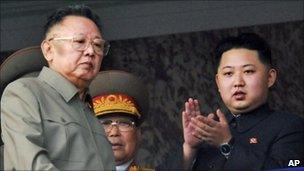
120, 102
46, 121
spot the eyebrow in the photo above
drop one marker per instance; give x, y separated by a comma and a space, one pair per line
246, 65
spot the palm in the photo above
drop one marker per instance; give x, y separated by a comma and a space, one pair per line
191, 110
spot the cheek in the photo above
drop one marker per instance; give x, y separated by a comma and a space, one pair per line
257, 84
68, 56
98, 60
130, 141
224, 86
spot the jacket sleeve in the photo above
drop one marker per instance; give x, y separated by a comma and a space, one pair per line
287, 145
22, 130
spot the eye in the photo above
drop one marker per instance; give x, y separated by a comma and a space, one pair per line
79, 40
125, 123
249, 71
98, 43
228, 73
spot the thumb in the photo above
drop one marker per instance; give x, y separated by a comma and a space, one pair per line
221, 116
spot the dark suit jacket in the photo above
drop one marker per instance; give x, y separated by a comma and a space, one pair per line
263, 139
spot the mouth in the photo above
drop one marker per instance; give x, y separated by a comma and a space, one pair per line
116, 146
87, 65
239, 95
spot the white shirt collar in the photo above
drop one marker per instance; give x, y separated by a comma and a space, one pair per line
124, 166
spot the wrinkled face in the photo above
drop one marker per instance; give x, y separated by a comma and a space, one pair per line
243, 80
124, 142
75, 65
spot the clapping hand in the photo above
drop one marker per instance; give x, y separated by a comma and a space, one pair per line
209, 130
191, 111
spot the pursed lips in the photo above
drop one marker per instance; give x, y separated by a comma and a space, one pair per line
239, 95
116, 144
88, 64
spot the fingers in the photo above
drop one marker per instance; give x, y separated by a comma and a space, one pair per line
201, 124
200, 132
196, 107
192, 107
221, 116
208, 130
184, 118
202, 135
189, 106
209, 120
211, 116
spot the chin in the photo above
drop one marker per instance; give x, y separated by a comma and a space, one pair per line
88, 72
239, 108
119, 160
87, 76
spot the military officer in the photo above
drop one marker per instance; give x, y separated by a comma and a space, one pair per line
120, 101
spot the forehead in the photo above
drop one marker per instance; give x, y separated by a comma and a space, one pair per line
75, 25
240, 57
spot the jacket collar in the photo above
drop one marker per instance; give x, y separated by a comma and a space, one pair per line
63, 86
250, 119
125, 166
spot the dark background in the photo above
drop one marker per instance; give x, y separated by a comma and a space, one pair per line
178, 66
181, 65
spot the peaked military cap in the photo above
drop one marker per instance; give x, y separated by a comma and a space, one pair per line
119, 92
20, 63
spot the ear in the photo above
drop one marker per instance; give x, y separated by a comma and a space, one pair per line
217, 82
47, 50
272, 76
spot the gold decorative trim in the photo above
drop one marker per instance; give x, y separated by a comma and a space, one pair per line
113, 103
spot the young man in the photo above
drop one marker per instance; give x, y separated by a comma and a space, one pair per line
251, 136
120, 101
46, 121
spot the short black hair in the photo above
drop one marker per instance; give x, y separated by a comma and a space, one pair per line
76, 10
249, 41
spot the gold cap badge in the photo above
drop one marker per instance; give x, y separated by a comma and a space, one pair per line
114, 103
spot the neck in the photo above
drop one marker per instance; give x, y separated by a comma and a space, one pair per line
79, 82
82, 94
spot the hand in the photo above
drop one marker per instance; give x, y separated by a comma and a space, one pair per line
191, 142
211, 131
191, 111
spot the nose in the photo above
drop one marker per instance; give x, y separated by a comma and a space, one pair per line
113, 131
239, 80
89, 51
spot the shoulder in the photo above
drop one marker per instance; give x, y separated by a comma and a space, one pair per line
287, 120
30, 83
286, 116
21, 88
